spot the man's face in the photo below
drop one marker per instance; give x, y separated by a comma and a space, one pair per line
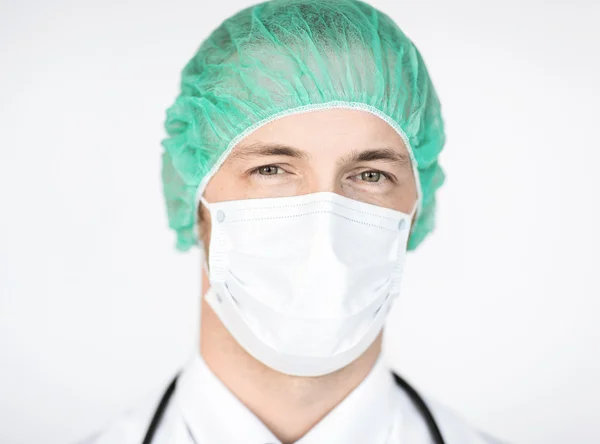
349, 152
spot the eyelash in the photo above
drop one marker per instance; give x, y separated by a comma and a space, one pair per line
256, 172
385, 175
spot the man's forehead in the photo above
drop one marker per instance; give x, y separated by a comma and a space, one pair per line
248, 151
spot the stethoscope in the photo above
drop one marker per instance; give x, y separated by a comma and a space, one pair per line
412, 393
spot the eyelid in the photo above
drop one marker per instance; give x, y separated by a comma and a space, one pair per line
387, 176
256, 170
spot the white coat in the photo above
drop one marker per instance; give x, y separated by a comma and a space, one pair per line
203, 411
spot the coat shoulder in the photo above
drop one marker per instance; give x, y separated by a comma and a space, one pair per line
130, 426
455, 429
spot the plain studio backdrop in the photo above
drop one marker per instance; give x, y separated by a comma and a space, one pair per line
499, 316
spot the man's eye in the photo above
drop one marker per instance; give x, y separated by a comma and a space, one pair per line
371, 176
269, 170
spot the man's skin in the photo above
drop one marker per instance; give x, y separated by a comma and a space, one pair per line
322, 154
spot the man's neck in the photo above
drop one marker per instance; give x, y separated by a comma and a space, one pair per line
288, 405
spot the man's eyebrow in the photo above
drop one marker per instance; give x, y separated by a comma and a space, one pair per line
385, 154
266, 149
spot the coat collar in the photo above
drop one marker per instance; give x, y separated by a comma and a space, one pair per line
213, 414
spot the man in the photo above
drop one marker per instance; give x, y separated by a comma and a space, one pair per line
302, 154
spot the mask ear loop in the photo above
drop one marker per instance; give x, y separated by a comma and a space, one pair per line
414, 210
204, 202
204, 261
412, 215
205, 264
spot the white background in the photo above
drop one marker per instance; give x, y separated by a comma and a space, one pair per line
500, 314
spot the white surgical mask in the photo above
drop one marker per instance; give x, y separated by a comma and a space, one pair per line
304, 283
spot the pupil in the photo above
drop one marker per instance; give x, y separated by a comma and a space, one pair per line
371, 176
268, 170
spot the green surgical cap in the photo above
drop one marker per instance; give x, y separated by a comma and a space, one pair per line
283, 57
